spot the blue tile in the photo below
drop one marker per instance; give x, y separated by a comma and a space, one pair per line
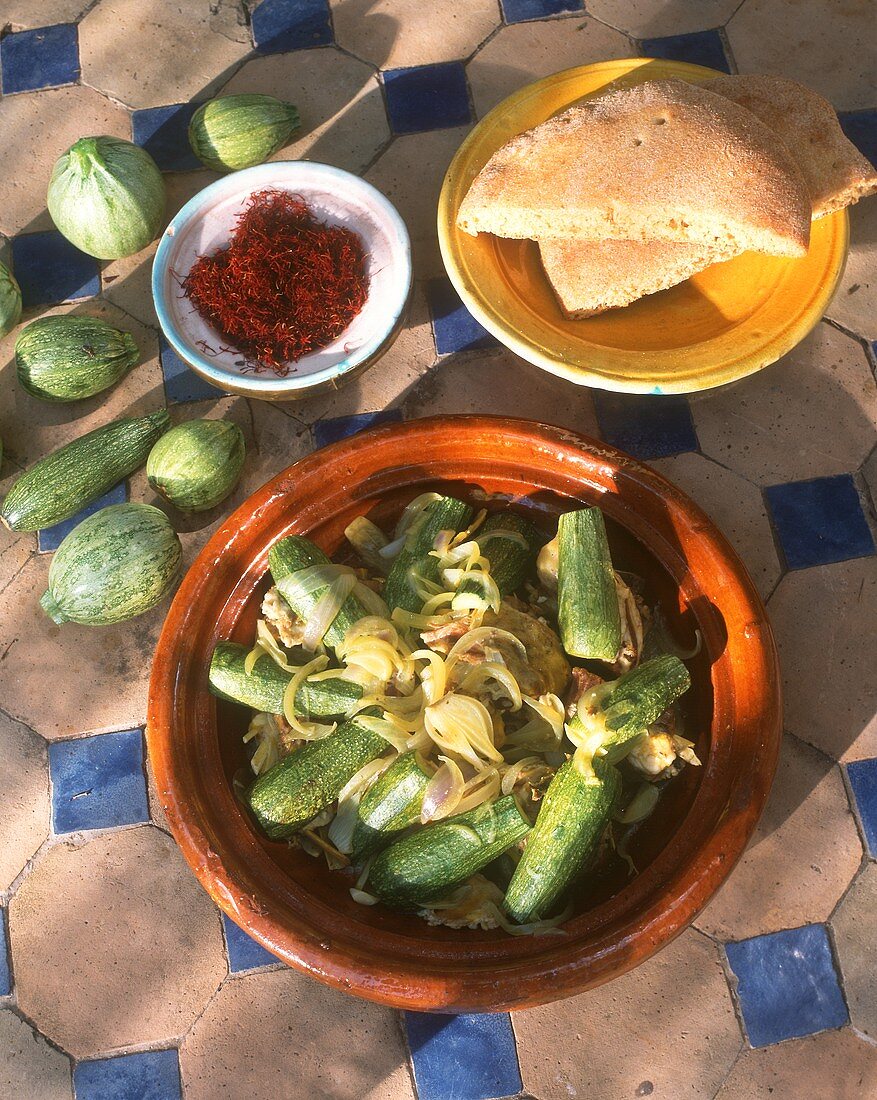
50, 537
453, 326
516, 11
646, 427
164, 133
787, 984
698, 48
51, 270
182, 384
42, 58
819, 521
468, 1057
862, 775
5, 968
428, 97
861, 128
150, 1075
243, 951
282, 25
340, 427
98, 782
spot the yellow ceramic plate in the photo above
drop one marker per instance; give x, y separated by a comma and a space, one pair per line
726, 322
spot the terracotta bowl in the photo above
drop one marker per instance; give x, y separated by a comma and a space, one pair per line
303, 913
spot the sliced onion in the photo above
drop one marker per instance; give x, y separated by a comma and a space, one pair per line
547, 927
478, 676
370, 600
463, 726
268, 752
464, 536
309, 731
434, 676
361, 897
443, 792
297, 586
368, 540
326, 609
488, 597
391, 551
484, 787
502, 533
412, 621
383, 727
412, 510
480, 636
422, 587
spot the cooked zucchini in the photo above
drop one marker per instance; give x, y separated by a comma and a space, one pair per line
391, 804
263, 687
302, 784
624, 708
510, 561
587, 599
294, 553
432, 861
574, 812
444, 514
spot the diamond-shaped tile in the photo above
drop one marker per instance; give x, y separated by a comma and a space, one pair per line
517, 11
244, 953
147, 1075
471, 1056
862, 775
5, 968
454, 328
820, 521
787, 985
698, 48
181, 383
42, 58
50, 538
50, 269
646, 427
283, 25
164, 133
861, 128
340, 427
427, 97
98, 782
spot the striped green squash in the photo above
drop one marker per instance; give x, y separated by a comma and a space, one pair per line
113, 566
64, 358
197, 464
10, 300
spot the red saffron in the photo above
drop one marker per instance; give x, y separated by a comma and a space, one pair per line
286, 285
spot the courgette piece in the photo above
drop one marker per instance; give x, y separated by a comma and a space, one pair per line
391, 804
626, 707
587, 599
286, 558
263, 688
432, 861
62, 483
574, 812
302, 784
510, 562
444, 514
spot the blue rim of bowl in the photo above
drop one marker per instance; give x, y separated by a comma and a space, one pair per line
273, 384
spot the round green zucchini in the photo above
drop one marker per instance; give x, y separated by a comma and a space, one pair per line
197, 464
64, 358
238, 131
113, 566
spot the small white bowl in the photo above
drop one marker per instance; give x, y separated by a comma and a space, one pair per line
206, 223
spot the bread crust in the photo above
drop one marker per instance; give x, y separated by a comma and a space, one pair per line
663, 160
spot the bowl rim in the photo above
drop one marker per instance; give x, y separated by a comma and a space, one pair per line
605, 369
511, 973
268, 385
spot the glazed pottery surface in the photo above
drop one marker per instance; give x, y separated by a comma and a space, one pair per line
302, 912
725, 322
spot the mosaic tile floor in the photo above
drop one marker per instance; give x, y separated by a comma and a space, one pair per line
119, 979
